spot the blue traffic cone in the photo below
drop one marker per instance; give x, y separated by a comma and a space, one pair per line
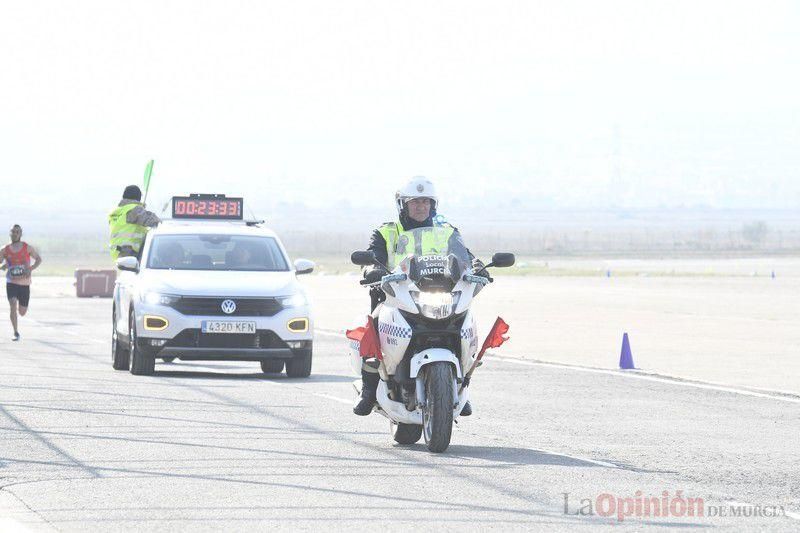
625, 356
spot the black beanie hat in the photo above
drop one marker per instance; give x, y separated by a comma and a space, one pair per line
132, 192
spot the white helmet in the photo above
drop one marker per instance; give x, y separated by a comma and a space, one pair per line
418, 187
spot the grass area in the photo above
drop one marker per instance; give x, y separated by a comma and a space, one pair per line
570, 267
65, 264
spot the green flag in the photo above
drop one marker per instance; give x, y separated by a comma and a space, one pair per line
148, 171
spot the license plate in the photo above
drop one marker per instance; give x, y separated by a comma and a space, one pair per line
218, 326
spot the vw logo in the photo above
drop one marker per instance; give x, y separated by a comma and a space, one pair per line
228, 306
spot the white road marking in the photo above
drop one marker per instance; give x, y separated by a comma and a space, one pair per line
494, 437
771, 395
9, 524
321, 395
65, 332
16, 516
775, 395
4, 521
318, 394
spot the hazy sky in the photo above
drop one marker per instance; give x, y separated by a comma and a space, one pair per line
559, 103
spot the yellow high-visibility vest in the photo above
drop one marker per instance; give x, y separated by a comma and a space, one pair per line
400, 243
123, 233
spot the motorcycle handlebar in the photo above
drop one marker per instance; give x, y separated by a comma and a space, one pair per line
385, 279
480, 280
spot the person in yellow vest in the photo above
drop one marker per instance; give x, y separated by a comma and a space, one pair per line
416, 206
129, 223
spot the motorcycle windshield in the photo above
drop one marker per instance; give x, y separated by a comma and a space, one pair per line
434, 258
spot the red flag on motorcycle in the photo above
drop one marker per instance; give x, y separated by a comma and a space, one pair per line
367, 336
355, 334
496, 336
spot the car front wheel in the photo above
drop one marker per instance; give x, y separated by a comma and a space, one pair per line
143, 362
272, 367
299, 366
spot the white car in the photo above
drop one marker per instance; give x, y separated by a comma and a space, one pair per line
221, 290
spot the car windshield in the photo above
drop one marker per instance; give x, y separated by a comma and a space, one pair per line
434, 258
216, 252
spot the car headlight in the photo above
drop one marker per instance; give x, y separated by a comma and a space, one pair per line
436, 305
157, 298
295, 300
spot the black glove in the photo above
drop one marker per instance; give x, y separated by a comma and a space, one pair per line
374, 275
479, 269
126, 250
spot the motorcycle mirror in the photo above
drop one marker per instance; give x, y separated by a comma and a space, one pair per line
363, 258
502, 260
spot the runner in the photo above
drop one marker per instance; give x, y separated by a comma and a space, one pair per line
16, 258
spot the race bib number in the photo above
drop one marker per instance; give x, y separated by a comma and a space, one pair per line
17, 271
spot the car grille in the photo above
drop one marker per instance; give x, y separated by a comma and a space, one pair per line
194, 338
213, 306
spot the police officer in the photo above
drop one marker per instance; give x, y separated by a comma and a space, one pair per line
416, 205
129, 223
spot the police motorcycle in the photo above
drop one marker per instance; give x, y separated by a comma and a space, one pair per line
427, 333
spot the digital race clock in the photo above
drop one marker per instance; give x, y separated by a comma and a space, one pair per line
207, 206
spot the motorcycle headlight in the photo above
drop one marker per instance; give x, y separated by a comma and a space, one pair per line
436, 305
157, 298
295, 300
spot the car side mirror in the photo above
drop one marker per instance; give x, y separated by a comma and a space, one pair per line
303, 266
365, 258
503, 260
129, 264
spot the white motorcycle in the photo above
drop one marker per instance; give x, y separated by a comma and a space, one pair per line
428, 335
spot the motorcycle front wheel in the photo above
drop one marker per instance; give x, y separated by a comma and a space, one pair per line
437, 415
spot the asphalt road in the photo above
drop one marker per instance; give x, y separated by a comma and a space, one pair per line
222, 446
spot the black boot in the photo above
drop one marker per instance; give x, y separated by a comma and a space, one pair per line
369, 386
467, 409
